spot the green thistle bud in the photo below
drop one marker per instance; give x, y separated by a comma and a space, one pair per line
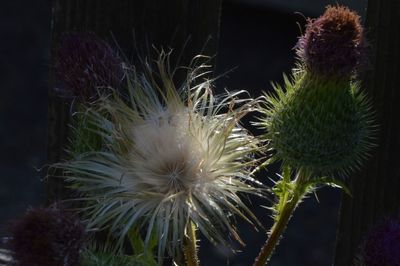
323, 123
319, 125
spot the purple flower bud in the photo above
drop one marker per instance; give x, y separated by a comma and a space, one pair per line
86, 64
382, 245
47, 237
333, 44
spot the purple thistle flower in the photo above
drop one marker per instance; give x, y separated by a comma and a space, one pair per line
382, 245
47, 237
333, 44
85, 63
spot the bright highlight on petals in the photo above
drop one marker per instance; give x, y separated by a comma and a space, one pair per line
171, 156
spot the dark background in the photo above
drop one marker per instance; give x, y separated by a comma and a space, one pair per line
256, 41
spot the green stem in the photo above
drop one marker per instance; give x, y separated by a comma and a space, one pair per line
190, 248
290, 202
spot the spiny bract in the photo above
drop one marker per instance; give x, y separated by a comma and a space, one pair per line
318, 125
170, 157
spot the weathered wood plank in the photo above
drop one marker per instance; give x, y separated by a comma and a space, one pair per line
376, 189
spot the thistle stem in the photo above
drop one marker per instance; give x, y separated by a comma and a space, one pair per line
289, 205
191, 246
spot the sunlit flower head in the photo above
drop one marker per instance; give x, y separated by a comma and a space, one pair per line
170, 156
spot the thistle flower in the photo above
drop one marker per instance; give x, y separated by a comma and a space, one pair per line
47, 237
382, 245
86, 63
333, 44
322, 122
172, 157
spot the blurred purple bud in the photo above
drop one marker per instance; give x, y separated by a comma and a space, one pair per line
85, 64
47, 237
333, 44
382, 245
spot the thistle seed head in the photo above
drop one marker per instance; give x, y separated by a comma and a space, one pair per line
333, 44
171, 156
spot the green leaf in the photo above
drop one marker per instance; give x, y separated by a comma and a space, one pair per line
97, 255
144, 251
98, 258
136, 241
329, 181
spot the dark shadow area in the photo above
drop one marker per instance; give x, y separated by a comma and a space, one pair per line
24, 50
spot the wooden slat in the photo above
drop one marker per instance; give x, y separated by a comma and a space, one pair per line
376, 189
